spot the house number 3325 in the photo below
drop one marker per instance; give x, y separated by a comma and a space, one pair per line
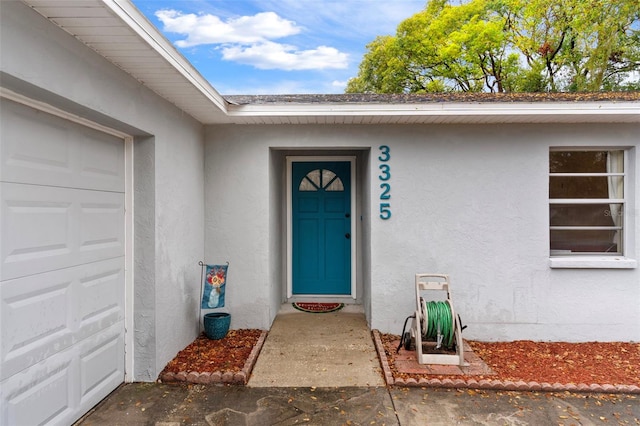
385, 186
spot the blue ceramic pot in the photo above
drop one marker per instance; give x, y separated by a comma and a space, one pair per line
216, 325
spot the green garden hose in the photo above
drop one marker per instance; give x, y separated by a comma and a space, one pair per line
440, 321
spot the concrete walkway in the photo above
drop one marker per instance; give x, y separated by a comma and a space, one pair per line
332, 349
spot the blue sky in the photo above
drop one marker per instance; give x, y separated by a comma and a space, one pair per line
276, 46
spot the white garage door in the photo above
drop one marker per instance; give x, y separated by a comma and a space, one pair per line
62, 277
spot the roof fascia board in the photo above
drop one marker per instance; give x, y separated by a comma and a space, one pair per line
442, 109
138, 23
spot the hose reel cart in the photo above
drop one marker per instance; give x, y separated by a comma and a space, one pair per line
436, 331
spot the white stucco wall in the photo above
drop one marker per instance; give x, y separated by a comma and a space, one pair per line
240, 227
471, 201
41, 61
467, 200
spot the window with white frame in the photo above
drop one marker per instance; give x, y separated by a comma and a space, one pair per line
586, 201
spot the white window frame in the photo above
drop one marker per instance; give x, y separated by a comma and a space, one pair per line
595, 260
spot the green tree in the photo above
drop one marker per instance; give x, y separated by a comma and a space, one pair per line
577, 45
507, 46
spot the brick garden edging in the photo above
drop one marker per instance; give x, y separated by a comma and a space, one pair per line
492, 384
219, 377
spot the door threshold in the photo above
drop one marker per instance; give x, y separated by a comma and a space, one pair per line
347, 299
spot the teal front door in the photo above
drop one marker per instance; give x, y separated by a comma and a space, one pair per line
321, 221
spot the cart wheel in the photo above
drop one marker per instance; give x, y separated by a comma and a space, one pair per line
407, 341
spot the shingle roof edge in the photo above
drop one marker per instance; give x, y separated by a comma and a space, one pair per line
433, 98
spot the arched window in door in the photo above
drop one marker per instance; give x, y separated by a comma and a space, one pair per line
319, 179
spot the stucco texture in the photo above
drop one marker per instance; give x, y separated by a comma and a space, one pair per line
470, 201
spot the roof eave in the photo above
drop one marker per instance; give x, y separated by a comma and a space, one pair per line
129, 14
444, 112
179, 83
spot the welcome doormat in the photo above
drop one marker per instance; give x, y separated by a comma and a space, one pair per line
317, 308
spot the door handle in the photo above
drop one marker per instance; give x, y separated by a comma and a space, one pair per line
347, 235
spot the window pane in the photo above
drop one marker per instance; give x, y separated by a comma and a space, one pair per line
327, 175
584, 241
578, 187
306, 185
585, 186
336, 186
578, 162
314, 176
584, 214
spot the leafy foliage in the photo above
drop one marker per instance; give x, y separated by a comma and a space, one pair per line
508, 46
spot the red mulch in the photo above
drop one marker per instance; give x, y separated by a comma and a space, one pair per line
205, 355
613, 363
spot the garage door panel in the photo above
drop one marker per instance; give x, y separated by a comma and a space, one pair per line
101, 225
37, 311
67, 384
43, 149
48, 228
100, 364
55, 310
101, 160
33, 228
46, 387
33, 147
101, 297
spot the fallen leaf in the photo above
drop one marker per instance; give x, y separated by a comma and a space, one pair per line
551, 362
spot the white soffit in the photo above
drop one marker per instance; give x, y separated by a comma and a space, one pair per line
120, 33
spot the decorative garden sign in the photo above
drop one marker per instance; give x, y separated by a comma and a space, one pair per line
214, 286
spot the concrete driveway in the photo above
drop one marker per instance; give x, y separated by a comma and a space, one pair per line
183, 404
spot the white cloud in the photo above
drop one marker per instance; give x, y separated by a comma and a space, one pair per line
269, 55
209, 29
248, 40
337, 85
